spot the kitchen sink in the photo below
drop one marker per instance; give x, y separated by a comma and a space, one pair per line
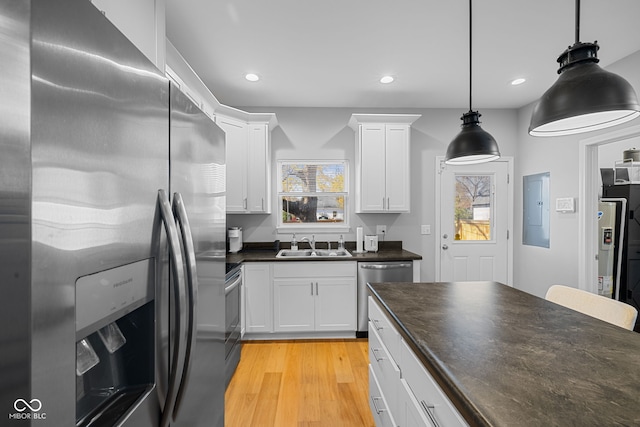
318, 253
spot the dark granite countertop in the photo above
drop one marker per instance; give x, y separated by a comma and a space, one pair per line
265, 252
508, 358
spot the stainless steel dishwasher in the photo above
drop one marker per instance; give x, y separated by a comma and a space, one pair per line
377, 272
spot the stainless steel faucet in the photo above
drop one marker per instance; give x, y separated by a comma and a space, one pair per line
311, 242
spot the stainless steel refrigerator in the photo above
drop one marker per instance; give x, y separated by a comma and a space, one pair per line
611, 222
112, 219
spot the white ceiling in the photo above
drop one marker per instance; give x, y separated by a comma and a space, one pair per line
331, 53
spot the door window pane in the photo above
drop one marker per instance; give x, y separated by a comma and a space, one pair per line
473, 207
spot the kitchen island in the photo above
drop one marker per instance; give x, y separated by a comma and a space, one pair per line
504, 357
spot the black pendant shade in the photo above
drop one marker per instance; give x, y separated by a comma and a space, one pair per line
585, 97
473, 144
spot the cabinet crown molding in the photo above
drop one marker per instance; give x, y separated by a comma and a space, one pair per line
249, 118
360, 118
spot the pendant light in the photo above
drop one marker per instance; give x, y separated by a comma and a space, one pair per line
585, 97
473, 144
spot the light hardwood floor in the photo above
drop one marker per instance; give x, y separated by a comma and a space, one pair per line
300, 383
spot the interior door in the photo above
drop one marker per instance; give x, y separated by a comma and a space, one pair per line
474, 221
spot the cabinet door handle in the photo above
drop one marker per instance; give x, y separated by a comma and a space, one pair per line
388, 203
317, 289
375, 406
311, 283
429, 409
262, 203
244, 203
375, 354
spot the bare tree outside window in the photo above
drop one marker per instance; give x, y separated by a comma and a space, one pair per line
473, 208
313, 192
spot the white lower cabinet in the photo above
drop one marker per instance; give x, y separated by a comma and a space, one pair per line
258, 297
430, 399
294, 305
409, 408
400, 388
314, 296
385, 369
382, 414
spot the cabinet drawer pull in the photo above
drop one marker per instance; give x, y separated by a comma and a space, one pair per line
375, 406
375, 354
311, 288
376, 324
429, 409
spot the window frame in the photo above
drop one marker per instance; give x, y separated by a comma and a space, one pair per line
343, 226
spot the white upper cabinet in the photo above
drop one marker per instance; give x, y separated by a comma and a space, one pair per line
248, 164
236, 151
382, 161
258, 168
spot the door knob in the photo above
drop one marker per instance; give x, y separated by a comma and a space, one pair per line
445, 247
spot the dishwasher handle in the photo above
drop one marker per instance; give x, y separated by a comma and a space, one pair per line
385, 266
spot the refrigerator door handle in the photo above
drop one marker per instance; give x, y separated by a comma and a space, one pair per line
179, 289
180, 214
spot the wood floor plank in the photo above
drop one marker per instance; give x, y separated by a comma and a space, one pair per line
300, 383
267, 404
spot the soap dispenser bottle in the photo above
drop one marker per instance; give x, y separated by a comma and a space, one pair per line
294, 243
341, 243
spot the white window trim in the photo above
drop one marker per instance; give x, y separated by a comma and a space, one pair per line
343, 227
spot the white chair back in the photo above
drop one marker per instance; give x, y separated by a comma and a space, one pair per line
607, 309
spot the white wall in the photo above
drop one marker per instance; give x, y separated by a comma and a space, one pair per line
322, 133
538, 268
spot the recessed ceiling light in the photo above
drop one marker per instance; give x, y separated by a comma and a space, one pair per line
516, 82
386, 79
252, 77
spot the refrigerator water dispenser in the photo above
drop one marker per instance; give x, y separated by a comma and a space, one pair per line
115, 342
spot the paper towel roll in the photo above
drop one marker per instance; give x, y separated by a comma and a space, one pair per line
359, 240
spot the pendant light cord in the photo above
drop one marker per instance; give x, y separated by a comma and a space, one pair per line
577, 21
470, 59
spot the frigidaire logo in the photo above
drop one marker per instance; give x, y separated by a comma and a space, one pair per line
27, 410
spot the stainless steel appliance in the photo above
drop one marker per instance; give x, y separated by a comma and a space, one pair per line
197, 182
232, 336
377, 272
611, 220
95, 332
629, 289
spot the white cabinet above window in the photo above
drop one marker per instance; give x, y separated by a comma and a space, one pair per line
248, 162
382, 161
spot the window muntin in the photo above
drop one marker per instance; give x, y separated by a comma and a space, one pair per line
313, 193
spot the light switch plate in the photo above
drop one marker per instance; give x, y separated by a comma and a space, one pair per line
565, 204
425, 229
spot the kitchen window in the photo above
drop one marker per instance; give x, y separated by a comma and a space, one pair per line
313, 194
